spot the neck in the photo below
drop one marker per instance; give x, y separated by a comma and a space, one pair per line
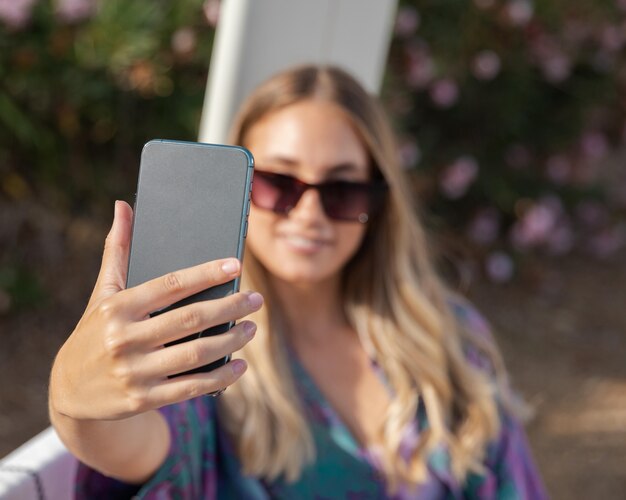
312, 312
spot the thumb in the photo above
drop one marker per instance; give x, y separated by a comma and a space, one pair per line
112, 276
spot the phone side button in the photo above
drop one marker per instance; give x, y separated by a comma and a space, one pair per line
245, 230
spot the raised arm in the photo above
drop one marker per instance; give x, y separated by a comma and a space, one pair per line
112, 372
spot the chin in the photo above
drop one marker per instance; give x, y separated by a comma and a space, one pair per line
303, 277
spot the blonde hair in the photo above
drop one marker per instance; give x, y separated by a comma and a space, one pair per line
400, 310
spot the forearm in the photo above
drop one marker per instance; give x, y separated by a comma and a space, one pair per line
130, 450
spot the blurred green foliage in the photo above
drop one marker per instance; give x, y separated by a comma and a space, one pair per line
507, 111
78, 97
83, 85
19, 287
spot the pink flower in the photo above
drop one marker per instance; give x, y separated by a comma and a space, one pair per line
549, 54
559, 169
407, 21
486, 65
536, 224
71, 11
594, 145
421, 69
519, 12
612, 38
561, 240
409, 153
557, 68
608, 241
457, 177
592, 214
484, 227
212, 11
444, 93
184, 41
16, 13
499, 267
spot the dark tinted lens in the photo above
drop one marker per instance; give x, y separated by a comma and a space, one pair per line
342, 200
275, 192
351, 201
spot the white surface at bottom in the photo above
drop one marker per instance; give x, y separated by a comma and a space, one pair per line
43, 459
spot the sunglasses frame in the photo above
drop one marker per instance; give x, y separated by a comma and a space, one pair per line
375, 190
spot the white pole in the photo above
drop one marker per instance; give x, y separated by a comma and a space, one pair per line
257, 38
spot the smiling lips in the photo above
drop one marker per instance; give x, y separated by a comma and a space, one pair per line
303, 244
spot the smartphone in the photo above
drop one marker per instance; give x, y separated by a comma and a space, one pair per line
191, 206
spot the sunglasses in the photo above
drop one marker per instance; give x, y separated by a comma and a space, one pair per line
341, 200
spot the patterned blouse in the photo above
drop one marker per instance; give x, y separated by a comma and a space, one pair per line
202, 462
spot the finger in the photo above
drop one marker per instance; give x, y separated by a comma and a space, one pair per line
166, 290
114, 267
187, 387
193, 318
186, 356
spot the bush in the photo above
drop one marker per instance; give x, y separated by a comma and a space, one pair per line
508, 112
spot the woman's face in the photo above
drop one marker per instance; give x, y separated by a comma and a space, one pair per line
313, 141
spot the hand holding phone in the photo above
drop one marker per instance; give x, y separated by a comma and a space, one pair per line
119, 360
114, 365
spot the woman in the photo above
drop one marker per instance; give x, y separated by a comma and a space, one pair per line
366, 379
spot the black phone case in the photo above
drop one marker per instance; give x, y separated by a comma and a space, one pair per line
191, 206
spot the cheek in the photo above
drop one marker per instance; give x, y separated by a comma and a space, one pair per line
349, 240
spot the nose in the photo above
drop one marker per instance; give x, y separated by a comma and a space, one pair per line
309, 207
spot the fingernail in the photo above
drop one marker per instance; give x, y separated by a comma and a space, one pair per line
255, 299
231, 266
249, 329
239, 366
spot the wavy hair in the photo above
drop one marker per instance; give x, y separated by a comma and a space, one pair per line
400, 310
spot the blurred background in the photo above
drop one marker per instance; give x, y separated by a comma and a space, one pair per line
511, 120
